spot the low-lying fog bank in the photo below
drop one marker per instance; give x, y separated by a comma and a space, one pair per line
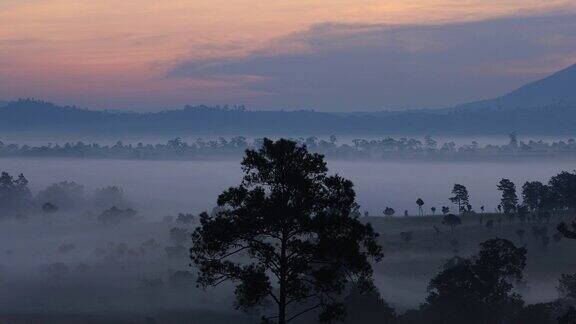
71, 263
158, 188
111, 242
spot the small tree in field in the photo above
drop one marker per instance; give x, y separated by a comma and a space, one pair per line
286, 236
433, 210
445, 210
15, 196
460, 198
420, 203
563, 186
509, 199
389, 211
533, 193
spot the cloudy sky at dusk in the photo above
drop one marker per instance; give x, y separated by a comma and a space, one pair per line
336, 55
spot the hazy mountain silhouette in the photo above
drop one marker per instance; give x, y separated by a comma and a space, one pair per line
556, 89
547, 106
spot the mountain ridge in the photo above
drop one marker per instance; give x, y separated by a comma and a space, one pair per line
545, 106
556, 88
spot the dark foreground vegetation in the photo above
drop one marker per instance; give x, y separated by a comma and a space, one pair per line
287, 245
387, 148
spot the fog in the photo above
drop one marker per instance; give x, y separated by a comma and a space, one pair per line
135, 267
162, 187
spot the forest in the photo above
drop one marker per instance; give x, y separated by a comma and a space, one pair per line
289, 244
41, 118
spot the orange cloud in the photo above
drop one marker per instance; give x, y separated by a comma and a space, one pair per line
64, 41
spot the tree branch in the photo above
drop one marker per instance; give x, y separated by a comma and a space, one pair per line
300, 298
303, 312
274, 297
231, 253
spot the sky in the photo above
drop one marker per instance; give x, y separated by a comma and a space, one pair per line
327, 55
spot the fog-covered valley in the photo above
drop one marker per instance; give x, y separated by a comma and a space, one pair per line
287, 162
158, 188
73, 261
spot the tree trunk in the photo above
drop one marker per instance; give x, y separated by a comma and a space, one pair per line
282, 297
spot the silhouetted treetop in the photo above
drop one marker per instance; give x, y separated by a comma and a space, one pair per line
460, 198
15, 195
564, 187
509, 199
478, 290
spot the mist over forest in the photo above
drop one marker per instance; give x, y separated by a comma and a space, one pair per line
120, 230
296, 162
461, 215
137, 225
375, 149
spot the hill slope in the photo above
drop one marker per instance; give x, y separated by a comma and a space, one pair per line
558, 88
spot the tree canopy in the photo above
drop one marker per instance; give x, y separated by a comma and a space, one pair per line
564, 187
509, 199
460, 198
287, 236
15, 195
478, 290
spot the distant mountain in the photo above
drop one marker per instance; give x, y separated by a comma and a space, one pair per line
546, 107
35, 117
556, 89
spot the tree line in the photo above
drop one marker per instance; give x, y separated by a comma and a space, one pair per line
386, 148
538, 200
17, 200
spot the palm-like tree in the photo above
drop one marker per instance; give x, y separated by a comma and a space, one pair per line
420, 203
389, 211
